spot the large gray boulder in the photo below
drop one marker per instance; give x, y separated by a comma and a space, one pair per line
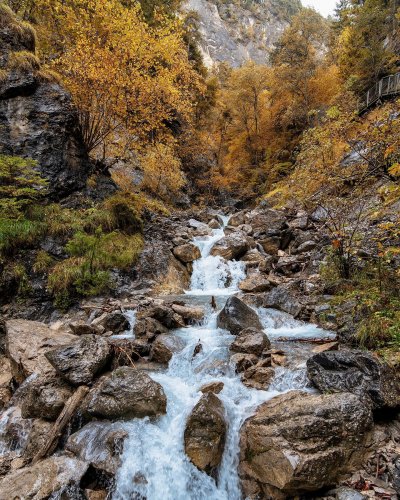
99, 444
44, 397
80, 361
187, 253
27, 342
205, 433
37, 118
299, 442
250, 341
165, 346
43, 479
233, 246
125, 394
236, 316
357, 372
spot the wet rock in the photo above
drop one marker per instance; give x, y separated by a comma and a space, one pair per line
231, 247
116, 322
205, 433
80, 361
165, 315
214, 224
255, 283
38, 438
243, 361
283, 297
329, 346
271, 244
82, 328
307, 246
126, 350
100, 444
39, 481
27, 342
96, 494
187, 253
5, 381
190, 314
253, 256
215, 387
258, 376
298, 442
344, 493
250, 341
148, 328
164, 347
236, 316
125, 394
44, 397
360, 373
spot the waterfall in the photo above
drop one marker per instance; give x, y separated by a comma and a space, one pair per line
154, 464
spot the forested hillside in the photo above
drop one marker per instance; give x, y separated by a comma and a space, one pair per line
199, 250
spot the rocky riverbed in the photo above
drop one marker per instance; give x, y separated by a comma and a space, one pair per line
219, 373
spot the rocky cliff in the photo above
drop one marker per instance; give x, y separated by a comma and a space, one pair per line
236, 31
37, 119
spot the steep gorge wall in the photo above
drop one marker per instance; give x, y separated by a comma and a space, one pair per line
234, 32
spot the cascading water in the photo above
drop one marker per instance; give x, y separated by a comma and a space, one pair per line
154, 464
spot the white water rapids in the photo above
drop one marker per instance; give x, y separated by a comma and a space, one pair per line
154, 464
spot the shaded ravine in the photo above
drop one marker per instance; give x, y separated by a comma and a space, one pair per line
154, 464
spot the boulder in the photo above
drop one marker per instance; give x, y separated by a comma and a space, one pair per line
255, 283
307, 246
44, 397
215, 387
165, 315
116, 322
270, 244
231, 247
250, 341
165, 346
99, 444
253, 256
27, 343
5, 381
148, 328
187, 253
283, 297
299, 442
38, 437
125, 394
267, 221
258, 376
214, 224
329, 346
357, 372
80, 361
126, 350
205, 433
43, 479
236, 316
82, 328
243, 361
189, 314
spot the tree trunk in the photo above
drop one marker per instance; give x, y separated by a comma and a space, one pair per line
62, 421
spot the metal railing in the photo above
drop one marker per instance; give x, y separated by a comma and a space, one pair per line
388, 86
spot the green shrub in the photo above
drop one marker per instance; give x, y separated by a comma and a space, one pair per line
15, 234
92, 256
125, 211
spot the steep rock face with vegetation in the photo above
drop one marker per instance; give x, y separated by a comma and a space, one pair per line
37, 119
235, 32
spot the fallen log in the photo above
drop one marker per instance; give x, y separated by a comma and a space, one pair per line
62, 421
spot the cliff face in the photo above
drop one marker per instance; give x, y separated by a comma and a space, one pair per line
37, 119
237, 31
